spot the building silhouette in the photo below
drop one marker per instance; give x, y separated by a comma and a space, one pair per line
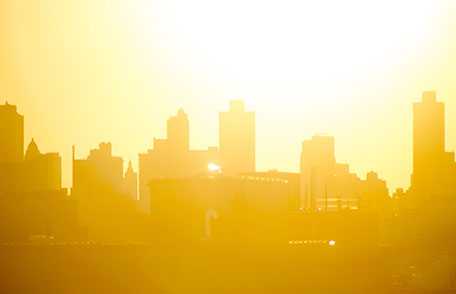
249, 208
43, 171
178, 132
131, 182
172, 158
237, 139
376, 195
107, 205
210, 199
326, 185
32, 201
434, 169
425, 210
318, 165
99, 173
11, 134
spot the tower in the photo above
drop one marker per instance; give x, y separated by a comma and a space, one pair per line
11, 134
237, 139
178, 132
317, 167
428, 140
131, 182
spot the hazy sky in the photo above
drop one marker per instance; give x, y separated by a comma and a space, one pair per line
85, 71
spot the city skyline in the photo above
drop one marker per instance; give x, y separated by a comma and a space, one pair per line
67, 171
125, 68
228, 147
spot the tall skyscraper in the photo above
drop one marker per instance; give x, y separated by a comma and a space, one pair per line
237, 139
11, 134
318, 165
431, 164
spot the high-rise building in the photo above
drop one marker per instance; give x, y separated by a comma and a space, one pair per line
431, 163
11, 134
237, 139
318, 164
178, 132
172, 158
428, 136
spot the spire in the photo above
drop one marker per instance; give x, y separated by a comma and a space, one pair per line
32, 151
130, 167
130, 170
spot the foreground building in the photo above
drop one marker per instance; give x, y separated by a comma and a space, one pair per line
249, 208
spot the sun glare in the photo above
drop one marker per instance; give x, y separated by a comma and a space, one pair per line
213, 168
240, 45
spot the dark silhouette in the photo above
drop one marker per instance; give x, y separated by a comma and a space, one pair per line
205, 221
172, 157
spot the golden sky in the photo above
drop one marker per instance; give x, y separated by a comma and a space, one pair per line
85, 71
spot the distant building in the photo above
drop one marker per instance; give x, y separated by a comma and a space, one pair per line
237, 140
131, 182
375, 194
172, 158
178, 132
107, 203
424, 212
99, 174
35, 172
434, 169
32, 201
11, 134
318, 165
42, 171
330, 186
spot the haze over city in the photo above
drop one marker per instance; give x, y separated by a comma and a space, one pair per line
345, 68
257, 147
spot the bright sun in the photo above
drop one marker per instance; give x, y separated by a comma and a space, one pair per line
241, 45
320, 66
